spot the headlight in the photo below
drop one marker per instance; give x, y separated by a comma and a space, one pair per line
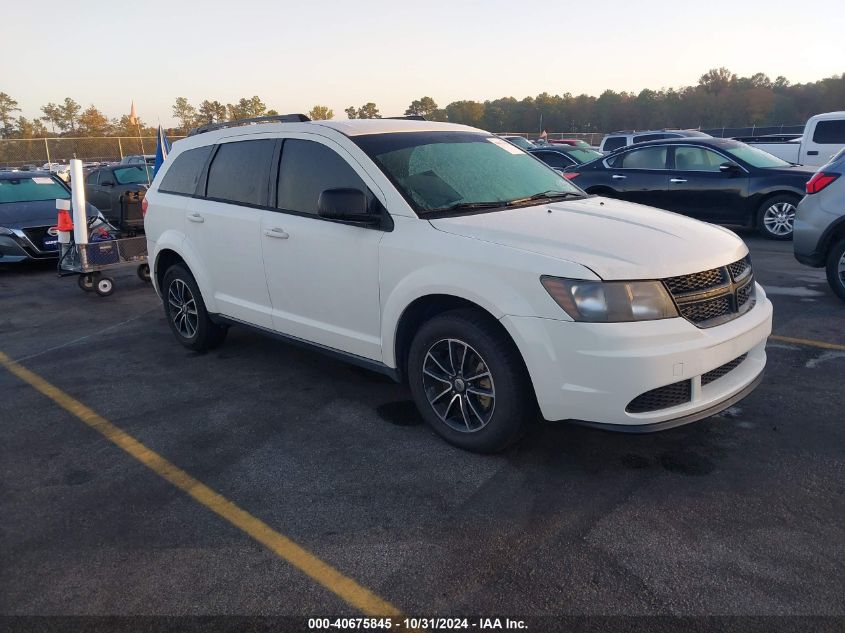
610, 301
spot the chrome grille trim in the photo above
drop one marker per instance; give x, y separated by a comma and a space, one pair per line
716, 296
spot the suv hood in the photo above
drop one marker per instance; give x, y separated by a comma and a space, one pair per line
615, 239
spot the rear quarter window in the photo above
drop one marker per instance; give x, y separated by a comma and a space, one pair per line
829, 132
183, 175
613, 142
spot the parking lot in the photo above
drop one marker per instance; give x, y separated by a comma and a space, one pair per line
740, 514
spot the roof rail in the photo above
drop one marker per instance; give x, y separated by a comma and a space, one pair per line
276, 118
408, 117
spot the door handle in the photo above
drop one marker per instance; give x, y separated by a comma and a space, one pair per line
813, 152
677, 180
195, 217
276, 232
618, 177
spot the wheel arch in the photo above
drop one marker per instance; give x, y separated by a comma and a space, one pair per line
425, 308
168, 254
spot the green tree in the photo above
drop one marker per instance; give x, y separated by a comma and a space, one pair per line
421, 107
53, 115
7, 107
367, 111
24, 128
185, 113
69, 115
246, 108
320, 113
466, 112
211, 112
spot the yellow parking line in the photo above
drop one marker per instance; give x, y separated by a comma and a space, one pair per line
342, 586
807, 341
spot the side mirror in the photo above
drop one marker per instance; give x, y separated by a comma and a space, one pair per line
346, 205
729, 168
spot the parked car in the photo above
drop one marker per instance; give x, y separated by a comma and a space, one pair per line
118, 191
138, 159
62, 170
824, 136
820, 223
574, 142
28, 215
443, 255
519, 141
562, 156
616, 140
716, 180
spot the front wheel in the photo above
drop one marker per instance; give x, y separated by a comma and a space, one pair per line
776, 217
186, 313
469, 383
836, 269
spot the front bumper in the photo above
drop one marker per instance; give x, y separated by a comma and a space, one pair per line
18, 248
591, 372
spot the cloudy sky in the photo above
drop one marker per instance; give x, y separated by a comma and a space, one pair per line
296, 55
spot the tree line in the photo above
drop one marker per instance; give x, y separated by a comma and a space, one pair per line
719, 99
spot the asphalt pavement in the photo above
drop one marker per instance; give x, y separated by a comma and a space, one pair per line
737, 515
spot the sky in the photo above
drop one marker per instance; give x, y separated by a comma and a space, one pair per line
298, 54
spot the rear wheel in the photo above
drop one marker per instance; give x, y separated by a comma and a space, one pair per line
836, 268
776, 217
86, 282
186, 313
104, 286
469, 382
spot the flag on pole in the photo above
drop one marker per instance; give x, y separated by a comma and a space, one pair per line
162, 149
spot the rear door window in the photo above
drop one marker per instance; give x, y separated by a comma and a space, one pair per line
613, 142
240, 172
646, 158
306, 170
184, 174
829, 132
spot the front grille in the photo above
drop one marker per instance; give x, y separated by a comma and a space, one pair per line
697, 281
714, 296
723, 370
661, 398
38, 235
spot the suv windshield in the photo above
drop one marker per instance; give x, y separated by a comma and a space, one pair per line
755, 157
446, 171
135, 175
31, 189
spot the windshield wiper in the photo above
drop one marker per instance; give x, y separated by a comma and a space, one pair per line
460, 206
546, 195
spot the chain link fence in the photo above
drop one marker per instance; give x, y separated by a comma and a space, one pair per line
16, 153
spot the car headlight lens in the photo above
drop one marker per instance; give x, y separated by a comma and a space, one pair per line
610, 301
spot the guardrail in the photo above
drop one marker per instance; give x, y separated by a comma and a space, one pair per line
38, 151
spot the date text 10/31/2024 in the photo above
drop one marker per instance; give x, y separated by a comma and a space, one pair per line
417, 623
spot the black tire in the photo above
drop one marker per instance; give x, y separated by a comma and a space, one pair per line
835, 276
769, 225
144, 273
186, 313
104, 286
86, 282
508, 413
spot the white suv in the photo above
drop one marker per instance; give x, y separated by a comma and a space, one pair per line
445, 256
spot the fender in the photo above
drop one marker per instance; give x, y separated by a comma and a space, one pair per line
176, 242
471, 285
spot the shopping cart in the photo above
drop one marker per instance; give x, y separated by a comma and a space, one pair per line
92, 262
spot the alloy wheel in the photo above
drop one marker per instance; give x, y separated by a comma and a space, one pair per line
840, 269
458, 385
183, 308
779, 218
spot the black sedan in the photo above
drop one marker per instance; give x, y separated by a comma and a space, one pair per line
28, 215
715, 180
117, 191
562, 156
